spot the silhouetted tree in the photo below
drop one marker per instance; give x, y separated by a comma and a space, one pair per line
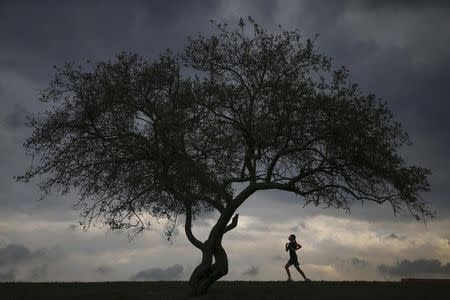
265, 110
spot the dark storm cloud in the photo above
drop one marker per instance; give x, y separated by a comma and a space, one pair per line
380, 48
36, 36
416, 267
397, 50
252, 271
402, 4
47, 33
171, 273
16, 118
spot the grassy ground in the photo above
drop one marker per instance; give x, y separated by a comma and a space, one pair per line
228, 290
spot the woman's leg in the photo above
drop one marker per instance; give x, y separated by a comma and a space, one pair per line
301, 272
286, 267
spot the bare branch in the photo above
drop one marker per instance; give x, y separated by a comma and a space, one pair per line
188, 228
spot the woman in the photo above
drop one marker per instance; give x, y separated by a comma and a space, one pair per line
293, 246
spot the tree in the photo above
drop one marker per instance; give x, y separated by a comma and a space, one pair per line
265, 110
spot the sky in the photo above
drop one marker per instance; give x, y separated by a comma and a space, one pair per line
395, 49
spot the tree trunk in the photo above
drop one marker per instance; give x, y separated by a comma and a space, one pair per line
207, 272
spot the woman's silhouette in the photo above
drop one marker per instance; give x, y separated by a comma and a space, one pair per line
293, 246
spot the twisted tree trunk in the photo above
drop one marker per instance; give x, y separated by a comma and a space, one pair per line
207, 272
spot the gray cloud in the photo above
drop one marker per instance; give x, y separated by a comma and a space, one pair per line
357, 262
252, 271
103, 270
39, 273
402, 4
171, 273
278, 257
298, 227
17, 117
415, 268
72, 227
15, 254
259, 227
33, 265
350, 265
8, 276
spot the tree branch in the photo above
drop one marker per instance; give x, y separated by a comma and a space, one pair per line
234, 180
285, 151
233, 223
188, 228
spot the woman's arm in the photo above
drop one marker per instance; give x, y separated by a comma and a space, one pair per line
287, 247
297, 246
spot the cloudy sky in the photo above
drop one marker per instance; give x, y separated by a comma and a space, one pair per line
397, 51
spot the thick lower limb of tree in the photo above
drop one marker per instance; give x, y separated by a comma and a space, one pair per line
201, 272
206, 273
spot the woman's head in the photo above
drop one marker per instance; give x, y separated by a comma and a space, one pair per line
292, 237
